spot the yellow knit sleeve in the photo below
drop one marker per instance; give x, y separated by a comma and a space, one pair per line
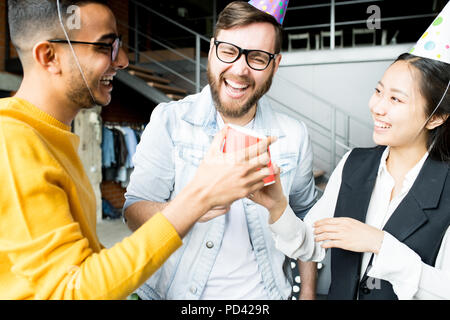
60, 264
43, 252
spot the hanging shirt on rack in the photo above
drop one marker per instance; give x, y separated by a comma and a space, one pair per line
108, 155
120, 147
131, 143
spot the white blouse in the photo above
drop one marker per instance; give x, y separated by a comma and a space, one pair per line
395, 262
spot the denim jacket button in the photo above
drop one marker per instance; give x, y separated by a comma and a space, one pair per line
193, 290
209, 244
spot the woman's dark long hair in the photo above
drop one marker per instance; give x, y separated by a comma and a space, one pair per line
434, 79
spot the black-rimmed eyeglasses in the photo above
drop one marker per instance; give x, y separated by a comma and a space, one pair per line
113, 46
256, 59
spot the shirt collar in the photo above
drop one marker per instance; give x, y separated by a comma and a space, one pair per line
203, 114
221, 123
382, 168
412, 174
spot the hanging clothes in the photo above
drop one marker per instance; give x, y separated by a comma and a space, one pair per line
108, 155
118, 148
131, 143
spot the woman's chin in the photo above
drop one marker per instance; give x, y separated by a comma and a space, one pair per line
380, 141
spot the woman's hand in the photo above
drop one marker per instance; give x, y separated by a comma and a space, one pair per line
272, 197
348, 234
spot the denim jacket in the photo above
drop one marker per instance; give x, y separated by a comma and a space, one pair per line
172, 147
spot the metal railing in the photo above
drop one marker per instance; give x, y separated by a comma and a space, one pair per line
196, 83
347, 23
198, 38
331, 132
333, 24
321, 5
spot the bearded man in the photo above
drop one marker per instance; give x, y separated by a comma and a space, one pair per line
228, 256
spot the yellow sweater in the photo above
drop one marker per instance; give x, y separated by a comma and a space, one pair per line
48, 243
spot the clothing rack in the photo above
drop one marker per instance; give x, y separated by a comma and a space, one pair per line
136, 126
118, 147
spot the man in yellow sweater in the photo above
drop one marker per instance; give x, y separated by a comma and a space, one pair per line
48, 243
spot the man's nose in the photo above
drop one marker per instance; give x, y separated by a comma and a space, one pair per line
121, 61
240, 66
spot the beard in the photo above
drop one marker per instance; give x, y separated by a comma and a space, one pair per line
236, 109
78, 91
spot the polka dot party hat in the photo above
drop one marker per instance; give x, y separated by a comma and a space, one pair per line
276, 8
435, 42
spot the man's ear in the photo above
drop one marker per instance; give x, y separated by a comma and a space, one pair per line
44, 54
436, 121
277, 62
211, 47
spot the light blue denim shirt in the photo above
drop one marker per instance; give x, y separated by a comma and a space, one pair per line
172, 146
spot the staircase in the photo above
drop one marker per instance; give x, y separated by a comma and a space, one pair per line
156, 81
166, 72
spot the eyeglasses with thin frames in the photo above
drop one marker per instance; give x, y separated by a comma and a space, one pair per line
113, 46
256, 59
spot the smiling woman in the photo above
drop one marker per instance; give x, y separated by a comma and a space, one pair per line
403, 107
383, 213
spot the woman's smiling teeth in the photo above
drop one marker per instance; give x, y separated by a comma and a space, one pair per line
382, 125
